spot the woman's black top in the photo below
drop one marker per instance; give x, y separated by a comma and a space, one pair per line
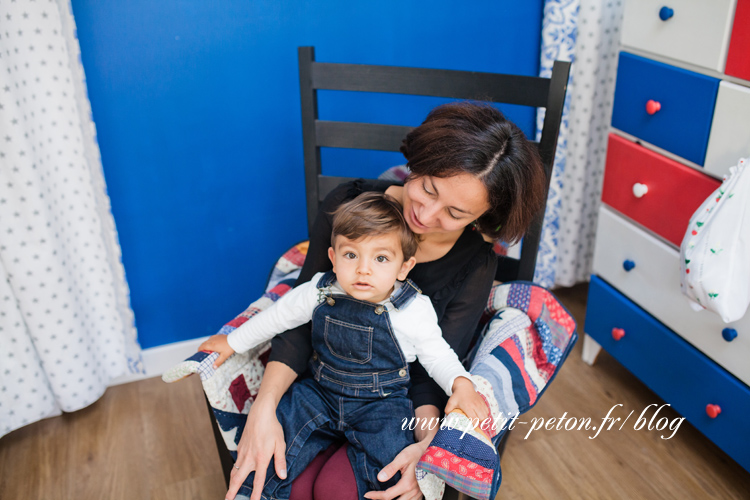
458, 285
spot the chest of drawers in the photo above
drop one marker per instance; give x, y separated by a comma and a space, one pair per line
681, 118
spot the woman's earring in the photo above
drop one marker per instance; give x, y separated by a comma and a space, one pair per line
474, 225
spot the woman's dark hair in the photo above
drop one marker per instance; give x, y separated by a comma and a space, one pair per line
472, 138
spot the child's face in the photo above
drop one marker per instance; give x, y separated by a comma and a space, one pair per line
368, 267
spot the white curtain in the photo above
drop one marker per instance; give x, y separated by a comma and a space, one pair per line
66, 327
587, 33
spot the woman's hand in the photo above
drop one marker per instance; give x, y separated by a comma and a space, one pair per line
263, 437
405, 462
407, 487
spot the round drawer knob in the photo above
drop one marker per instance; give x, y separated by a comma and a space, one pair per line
618, 333
713, 410
652, 106
639, 190
628, 265
729, 334
665, 13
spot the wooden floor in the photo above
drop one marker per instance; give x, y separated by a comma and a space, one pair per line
149, 440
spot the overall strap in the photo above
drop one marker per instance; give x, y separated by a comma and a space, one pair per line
326, 280
404, 295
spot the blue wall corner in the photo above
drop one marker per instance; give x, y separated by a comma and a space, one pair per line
198, 122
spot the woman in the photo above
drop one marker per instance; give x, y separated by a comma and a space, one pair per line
474, 178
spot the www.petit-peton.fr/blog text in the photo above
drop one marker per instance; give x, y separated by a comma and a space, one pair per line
643, 421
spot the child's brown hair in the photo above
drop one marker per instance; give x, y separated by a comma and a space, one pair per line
372, 214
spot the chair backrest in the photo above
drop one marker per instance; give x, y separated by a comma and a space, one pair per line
532, 91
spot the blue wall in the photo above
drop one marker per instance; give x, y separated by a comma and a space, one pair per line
197, 112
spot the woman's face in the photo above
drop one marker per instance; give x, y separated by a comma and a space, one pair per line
443, 204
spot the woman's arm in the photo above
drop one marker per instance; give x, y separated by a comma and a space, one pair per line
262, 438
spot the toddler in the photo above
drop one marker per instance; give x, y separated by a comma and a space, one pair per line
368, 323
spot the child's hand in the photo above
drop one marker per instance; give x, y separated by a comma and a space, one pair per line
466, 399
217, 343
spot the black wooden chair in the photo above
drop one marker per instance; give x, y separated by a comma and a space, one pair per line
531, 91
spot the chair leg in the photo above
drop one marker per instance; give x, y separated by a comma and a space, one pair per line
451, 494
226, 458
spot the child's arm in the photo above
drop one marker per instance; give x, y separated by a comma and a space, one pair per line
468, 400
291, 310
442, 363
217, 343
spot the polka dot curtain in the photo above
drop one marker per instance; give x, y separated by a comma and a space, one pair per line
66, 327
586, 32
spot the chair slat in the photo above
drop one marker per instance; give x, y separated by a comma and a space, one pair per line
309, 107
360, 135
547, 148
512, 89
546, 93
507, 269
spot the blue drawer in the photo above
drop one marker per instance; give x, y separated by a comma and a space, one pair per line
686, 100
672, 368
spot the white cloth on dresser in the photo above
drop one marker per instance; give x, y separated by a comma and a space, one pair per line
715, 252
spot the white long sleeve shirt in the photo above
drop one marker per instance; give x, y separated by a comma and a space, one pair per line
415, 327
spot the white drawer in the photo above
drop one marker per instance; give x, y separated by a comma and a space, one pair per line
654, 284
698, 31
730, 130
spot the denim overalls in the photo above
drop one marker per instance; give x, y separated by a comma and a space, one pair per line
358, 391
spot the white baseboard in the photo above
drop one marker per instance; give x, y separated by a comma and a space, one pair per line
157, 360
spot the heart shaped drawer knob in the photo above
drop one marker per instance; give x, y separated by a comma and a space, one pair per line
713, 410
618, 333
665, 13
652, 106
639, 190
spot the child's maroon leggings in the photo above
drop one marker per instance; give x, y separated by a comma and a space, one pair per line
328, 477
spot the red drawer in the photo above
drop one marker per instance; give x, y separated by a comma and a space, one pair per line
738, 60
674, 190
